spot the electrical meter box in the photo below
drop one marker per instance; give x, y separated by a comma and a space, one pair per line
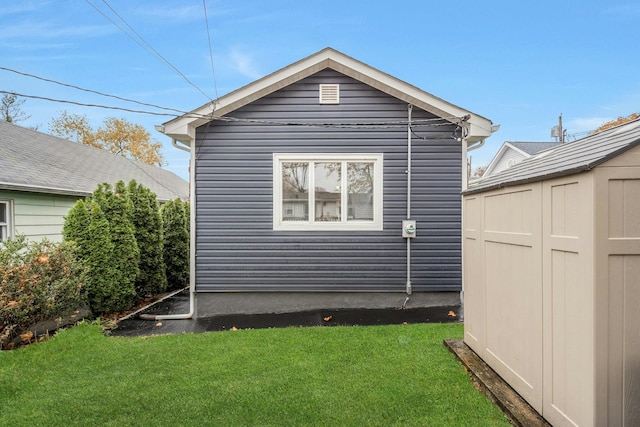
408, 228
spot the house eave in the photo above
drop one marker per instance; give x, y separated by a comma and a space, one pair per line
183, 128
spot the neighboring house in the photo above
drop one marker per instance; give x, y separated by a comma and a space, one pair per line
42, 176
556, 238
512, 153
300, 188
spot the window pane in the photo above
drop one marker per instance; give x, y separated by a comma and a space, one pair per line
3, 213
360, 191
295, 191
327, 191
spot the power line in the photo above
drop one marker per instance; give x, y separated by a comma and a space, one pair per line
91, 90
144, 44
213, 70
392, 124
82, 104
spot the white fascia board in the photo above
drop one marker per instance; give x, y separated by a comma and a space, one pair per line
495, 159
180, 127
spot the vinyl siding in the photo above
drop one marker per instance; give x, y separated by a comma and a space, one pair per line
236, 246
37, 215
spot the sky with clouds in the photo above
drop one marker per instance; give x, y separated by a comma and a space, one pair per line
520, 64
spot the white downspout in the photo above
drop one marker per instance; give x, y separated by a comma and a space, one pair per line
192, 244
409, 111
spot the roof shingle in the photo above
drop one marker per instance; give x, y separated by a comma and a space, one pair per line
34, 161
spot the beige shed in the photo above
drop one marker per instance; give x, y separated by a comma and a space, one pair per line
551, 265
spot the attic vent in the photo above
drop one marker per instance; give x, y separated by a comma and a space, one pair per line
330, 94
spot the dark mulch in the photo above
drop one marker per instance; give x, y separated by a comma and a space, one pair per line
134, 326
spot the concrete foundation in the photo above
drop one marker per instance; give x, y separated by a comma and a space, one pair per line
215, 304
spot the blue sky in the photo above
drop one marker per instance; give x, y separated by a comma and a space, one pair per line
519, 64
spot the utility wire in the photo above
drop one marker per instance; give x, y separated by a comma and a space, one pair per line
213, 70
434, 122
92, 91
144, 44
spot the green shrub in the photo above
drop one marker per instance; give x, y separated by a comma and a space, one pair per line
39, 281
105, 292
147, 224
118, 211
76, 226
175, 224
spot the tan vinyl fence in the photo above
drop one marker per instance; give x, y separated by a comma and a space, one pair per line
552, 291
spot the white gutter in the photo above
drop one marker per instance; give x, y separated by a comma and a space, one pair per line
192, 244
182, 147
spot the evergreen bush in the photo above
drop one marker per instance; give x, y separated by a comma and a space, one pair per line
76, 227
118, 211
147, 224
175, 221
105, 291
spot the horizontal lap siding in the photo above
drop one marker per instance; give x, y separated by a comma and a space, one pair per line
236, 247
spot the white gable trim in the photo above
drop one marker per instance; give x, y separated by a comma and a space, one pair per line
496, 159
183, 128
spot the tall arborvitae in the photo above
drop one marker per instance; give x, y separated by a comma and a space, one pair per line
76, 227
175, 223
147, 224
103, 290
118, 210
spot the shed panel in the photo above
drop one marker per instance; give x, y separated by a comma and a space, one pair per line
513, 288
236, 246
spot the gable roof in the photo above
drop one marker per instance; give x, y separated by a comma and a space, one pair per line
183, 128
532, 148
566, 159
526, 149
37, 162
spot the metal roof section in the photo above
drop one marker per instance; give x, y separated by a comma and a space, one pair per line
566, 159
183, 128
37, 162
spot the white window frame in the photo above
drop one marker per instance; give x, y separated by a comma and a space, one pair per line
344, 225
8, 225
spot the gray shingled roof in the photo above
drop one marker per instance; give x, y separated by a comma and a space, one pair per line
532, 148
34, 161
566, 159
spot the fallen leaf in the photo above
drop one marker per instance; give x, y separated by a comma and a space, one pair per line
26, 337
452, 313
405, 323
233, 328
328, 318
159, 324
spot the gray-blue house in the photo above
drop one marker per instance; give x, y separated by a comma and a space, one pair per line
327, 184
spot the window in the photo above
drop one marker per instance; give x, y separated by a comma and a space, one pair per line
327, 192
5, 217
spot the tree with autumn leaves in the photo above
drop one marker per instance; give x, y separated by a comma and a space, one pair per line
117, 136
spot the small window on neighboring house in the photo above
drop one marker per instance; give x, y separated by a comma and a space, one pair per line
5, 220
329, 94
327, 192
510, 162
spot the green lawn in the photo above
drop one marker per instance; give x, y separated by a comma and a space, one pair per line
322, 376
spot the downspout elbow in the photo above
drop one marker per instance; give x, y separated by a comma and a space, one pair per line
180, 147
180, 316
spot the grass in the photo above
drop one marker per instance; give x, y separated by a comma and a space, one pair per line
340, 376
